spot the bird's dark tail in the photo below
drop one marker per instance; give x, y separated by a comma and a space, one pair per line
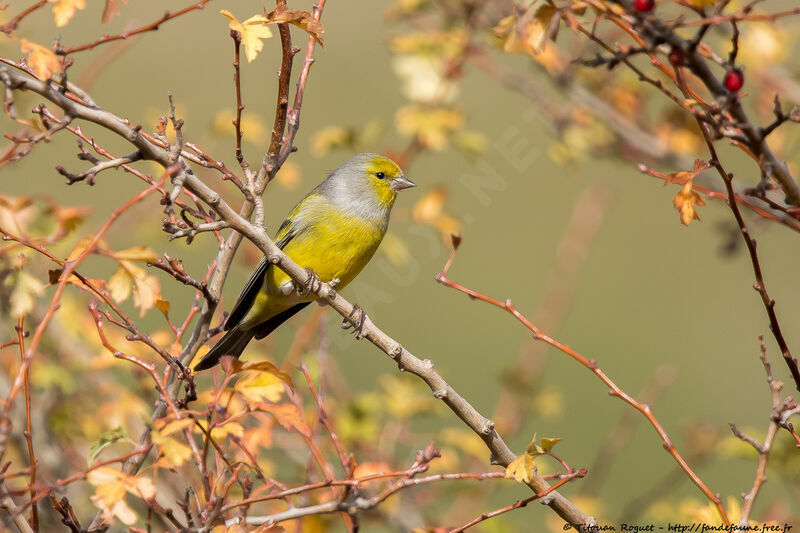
235, 340
232, 343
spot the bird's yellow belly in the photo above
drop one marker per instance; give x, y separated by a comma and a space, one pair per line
337, 247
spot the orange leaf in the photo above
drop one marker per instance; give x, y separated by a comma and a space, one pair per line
42, 61
685, 202
64, 10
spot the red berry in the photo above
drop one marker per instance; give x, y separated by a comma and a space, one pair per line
677, 57
734, 80
643, 6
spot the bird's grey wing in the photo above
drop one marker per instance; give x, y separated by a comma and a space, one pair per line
286, 233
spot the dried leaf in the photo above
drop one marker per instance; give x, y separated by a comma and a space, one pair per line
300, 18
685, 202
289, 417
262, 366
252, 30
111, 10
138, 253
64, 10
42, 61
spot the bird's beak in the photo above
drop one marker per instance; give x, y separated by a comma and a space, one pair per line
398, 184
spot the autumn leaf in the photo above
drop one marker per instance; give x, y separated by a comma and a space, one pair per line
528, 31
289, 417
328, 138
288, 176
253, 129
395, 250
163, 306
433, 127
138, 253
685, 202
146, 288
112, 486
262, 366
252, 30
64, 10
111, 10
259, 387
549, 443
687, 175
521, 469
42, 61
24, 292
119, 284
300, 18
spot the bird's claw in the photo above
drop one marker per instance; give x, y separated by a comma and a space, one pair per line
313, 283
355, 320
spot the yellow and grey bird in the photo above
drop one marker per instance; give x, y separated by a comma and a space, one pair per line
334, 231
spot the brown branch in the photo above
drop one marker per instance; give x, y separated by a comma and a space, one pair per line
293, 114
14, 22
28, 429
520, 503
130, 33
614, 390
765, 448
759, 286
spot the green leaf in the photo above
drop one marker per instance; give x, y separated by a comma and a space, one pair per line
107, 439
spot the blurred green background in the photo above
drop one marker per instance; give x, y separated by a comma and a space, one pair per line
651, 292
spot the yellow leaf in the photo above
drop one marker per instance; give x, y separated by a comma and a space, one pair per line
138, 253
423, 79
395, 249
119, 284
253, 129
260, 387
83, 244
521, 469
42, 61
289, 175
218, 433
252, 31
174, 426
263, 366
163, 306
64, 10
22, 298
430, 206
685, 202
328, 138
175, 452
433, 127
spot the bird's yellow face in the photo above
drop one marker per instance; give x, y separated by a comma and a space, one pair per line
386, 177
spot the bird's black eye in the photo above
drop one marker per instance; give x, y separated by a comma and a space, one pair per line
380, 175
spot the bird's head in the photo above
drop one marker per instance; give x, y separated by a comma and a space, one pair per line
371, 178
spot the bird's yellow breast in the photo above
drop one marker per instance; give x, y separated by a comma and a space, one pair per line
334, 246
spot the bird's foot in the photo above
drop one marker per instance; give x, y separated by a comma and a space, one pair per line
313, 283
355, 320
